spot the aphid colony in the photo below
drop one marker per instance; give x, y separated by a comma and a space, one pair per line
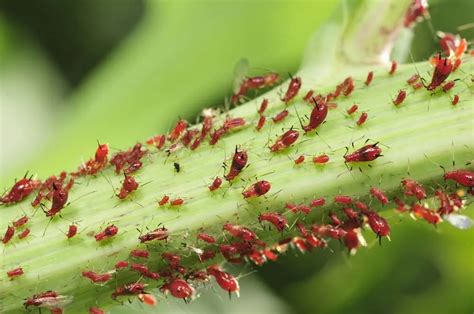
292, 226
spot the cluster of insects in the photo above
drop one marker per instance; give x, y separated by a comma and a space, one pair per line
294, 226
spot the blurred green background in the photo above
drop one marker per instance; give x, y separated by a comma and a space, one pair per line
73, 72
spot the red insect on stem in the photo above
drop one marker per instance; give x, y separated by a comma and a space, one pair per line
378, 224
261, 122
109, 232
363, 117
180, 127
321, 159
177, 202
20, 190
276, 219
101, 153
455, 100
241, 232
232, 123
280, 116
364, 154
225, 280
462, 177
148, 299
413, 188
257, 189
448, 85
121, 264
129, 185
370, 77
179, 288
413, 79
400, 97
95, 277
308, 96
443, 69
239, 161
164, 200
293, 88
318, 202
157, 234
15, 272
417, 85
215, 184
343, 199
417, 10
299, 160
352, 109
24, 233
285, 140
206, 238
48, 299
318, 115
72, 231
139, 253
158, 141
9, 233
263, 106
130, 289
20, 221
379, 195
393, 68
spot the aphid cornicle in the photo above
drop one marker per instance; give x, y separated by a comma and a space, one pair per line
364, 154
261, 122
239, 161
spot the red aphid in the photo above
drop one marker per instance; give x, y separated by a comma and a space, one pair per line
177, 202
225, 280
351, 240
129, 185
157, 234
318, 115
196, 143
164, 200
130, 289
20, 190
180, 127
24, 233
417, 85
285, 140
393, 68
321, 159
148, 299
351, 214
462, 177
133, 167
318, 202
335, 221
72, 231
280, 116
158, 141
257, 189
216, 135
370, 77
364, 154
343, 199
239, 161
275, 219
299, 160
9, 233
448, 85
207, 255
101, 153
109, 232
417, 10
15, 272
172, 259
412, 80
261, 122
363, 117
352, 109
441, 72
400, 97
206, 238
95, 277
60, 196
179, 288
20, 221
378, 224
379, 195
457, 64
48, 299
413, 188
455, 100
293, 88
96, 310
139, 253
361, 206
232, 123
121, 264
215, 184
241, 232
308, 96
428, 215
140, 268
263, 106
302, 228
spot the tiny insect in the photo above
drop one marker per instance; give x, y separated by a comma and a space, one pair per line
299, 160
148, 299
257, 189
276, 219
172, 259
393, 68
15, 272
379, 195
352, 109
443, 69
457, 64
400, 97
232, 123
180, 127
130, 289
364, 154
139, 253
318, 202
240, 232
20, 221
370, 77
215, 184
225, 280
129, 185
378, 224
285, 140
413, 79
9, 233
48, 299
318, 115
239, 161
448, 86
164, 200
196, 143
109, 232
417, 85
72, 231
462, 177
206, 238
177, 202
20, 190
95, 277
413, 188
293, 88
280, 116
343, 199
261, 122
321, 159
24, 233
121, 264
179, 288
363, 117
308, 95
263, 106
101, 153
417, 10
455, 100
158, 141
157, 234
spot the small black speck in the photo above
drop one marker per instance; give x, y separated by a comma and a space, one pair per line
177, 166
